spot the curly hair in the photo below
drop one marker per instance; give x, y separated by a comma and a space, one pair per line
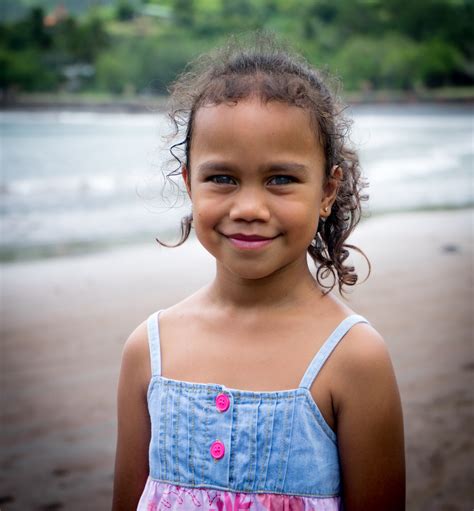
269, 70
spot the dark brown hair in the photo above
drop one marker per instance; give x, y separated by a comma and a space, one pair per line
268, 69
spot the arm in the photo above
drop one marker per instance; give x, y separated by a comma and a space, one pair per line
370, 427
133, 429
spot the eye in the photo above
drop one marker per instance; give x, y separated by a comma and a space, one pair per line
221, 179
281, 180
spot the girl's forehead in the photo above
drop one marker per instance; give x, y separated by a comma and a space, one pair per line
250, 120
253, 130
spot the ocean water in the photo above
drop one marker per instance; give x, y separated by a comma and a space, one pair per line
76, 182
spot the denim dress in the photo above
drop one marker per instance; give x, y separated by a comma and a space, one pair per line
223, 449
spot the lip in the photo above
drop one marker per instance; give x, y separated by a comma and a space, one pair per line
248, 237
249, 241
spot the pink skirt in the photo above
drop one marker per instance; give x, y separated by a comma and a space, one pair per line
158, 496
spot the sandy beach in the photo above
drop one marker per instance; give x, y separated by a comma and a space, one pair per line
64, 322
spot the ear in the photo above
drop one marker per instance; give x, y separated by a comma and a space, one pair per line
186, 179
330, 191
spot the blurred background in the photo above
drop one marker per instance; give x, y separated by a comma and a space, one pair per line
77, 170
83, 125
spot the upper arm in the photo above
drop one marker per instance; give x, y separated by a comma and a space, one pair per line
133, 424
370, 427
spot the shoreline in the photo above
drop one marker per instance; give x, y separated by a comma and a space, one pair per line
103, 103
42, 252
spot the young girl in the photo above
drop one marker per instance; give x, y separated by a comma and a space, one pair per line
262, 391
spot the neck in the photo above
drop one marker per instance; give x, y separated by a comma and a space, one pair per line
288, 287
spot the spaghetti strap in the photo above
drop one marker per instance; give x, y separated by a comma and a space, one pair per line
154, 343
327, 348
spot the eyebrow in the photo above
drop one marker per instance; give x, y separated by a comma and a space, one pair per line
211, 166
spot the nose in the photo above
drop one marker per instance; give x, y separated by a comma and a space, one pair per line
249, 205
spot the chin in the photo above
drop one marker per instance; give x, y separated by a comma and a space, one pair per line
252, 275
251, 272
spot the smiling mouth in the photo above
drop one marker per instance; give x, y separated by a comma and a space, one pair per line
249, 242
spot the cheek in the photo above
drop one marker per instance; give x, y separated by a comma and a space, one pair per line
204, 211
206, 218
201, 223
302, 217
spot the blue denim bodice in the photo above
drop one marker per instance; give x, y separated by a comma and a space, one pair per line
275, 442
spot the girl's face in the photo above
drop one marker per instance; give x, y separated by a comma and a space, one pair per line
256, 185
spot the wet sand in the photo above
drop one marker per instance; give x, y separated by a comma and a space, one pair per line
64, 322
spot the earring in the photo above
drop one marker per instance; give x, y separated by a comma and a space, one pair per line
326, 209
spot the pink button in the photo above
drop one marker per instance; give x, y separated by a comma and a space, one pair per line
222, 402
217, 450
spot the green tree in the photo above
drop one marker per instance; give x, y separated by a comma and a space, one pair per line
184, 13
125, 11
25, 70
390, 62
439, 62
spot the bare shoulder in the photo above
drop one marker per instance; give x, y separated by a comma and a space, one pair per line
137, 341
364, 345
136, 355
362, 361
137, 338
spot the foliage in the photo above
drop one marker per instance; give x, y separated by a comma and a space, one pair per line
25, 67
125, 11
141, 45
